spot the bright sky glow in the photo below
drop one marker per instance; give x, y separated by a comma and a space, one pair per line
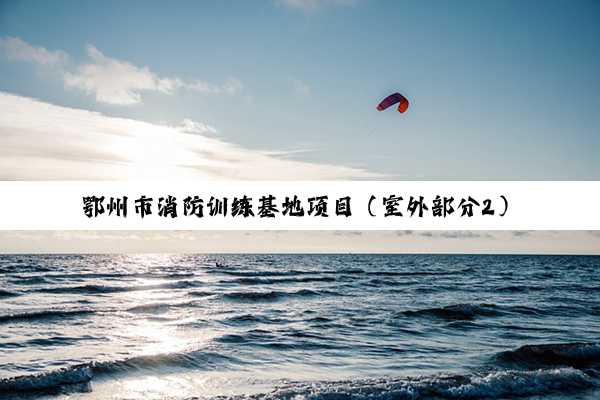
502, 91
446, 242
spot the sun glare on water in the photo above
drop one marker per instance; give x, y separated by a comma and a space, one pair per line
157, 312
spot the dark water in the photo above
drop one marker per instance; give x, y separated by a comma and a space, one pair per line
299, 326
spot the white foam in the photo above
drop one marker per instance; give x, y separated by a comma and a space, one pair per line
496, 384
521, 383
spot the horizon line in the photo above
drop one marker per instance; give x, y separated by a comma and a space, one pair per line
303, 253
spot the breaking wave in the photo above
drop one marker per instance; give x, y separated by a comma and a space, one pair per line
492, 385
506, 383
84, 373
47, 380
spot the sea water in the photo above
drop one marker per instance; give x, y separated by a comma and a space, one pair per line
299, 326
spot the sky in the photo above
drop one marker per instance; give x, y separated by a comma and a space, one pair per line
407, 242
288, 89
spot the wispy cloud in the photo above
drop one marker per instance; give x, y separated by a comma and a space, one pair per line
70, 144
230, 86
17, 49
190, 126
108, 79
119, 82
116, 82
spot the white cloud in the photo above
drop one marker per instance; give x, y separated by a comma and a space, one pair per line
17, 49
110, 80
117, 82
231, 86
311, 5
41, 141
169, 85
189, 126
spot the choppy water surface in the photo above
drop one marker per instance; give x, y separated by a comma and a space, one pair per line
299, 326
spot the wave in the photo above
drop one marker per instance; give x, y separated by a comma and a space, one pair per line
28, 280
156, 307
293, 340
235, 272
577, 355
201, 294
250, 319
472, 311
289, 272
6, 293
267, 281
503, 383
47, 380
267, 296
102, 289
92, 275
492, 385
46, 342
58, 313
190, 360
84, 373
37, 315
518, 288
417, 273
458, 311
73, 313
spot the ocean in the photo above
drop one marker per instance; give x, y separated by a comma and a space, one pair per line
299, 326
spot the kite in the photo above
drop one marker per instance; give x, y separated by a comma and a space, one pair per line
393, 99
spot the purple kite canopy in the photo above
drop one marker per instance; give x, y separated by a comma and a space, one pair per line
393, 99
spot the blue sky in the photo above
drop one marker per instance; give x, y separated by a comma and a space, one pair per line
411, 242
287, 89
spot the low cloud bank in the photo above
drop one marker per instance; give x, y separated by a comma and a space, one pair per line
42, 141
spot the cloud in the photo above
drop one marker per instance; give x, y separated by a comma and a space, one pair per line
120, 82
109, 80
41, 141
312, 5
189, 126
17, 49
230, 86
117, 82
